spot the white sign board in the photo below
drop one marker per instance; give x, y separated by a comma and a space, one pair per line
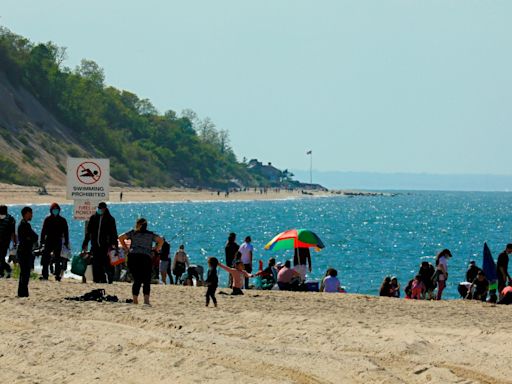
84, 209
88, 179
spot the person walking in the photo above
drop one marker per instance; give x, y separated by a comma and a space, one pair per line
139, 257
54, 233
102, 233
7, 234
27, 239
212, 280
502, 268
442, 271
231, 253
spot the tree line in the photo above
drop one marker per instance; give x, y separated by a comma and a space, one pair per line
146, 148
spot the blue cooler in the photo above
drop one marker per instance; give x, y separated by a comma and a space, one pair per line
312, 286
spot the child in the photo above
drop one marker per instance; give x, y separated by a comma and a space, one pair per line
212, 280
417, 288
331, 283
238, 274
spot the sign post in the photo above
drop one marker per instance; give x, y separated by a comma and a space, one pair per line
88, 183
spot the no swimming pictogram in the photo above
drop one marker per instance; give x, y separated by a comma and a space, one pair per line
88, 179
88, 172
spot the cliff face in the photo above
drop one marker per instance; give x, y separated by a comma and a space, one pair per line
32, 139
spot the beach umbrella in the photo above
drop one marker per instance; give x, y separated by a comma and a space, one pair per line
295, 238
489, 268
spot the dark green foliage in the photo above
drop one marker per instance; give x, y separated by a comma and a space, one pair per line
9, 173
145, 147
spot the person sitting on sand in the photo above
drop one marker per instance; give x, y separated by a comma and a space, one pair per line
417, 288
408, 289
238, 275
395, 287
506, 295
287, 276
479, 287
139, 257
331, 283
472, 272
385, 288
212, 280
268, 275
426, 272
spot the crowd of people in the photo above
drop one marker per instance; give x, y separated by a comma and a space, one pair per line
148, 256
476, 287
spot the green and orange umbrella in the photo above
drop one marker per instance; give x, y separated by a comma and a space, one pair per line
295, 238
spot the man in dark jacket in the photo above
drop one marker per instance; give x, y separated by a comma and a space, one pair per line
27, 239
55, 232
102, 233
7, 234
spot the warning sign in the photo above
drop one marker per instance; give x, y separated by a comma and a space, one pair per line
84, 209
88, 179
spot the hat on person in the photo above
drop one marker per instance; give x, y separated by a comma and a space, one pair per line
472, 262
102, 205
279, 265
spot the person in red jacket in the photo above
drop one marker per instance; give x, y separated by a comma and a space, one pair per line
55, 232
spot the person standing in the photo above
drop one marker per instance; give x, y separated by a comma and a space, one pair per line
165, 261
139, 257
246, 252
302, 261
442, 271
212, 280
27, 239
231, 252
180, 263
55, 231
7, 234
502, 268
102, 233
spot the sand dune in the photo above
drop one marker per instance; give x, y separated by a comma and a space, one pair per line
263, 337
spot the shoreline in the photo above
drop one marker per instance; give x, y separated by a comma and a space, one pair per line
11, 194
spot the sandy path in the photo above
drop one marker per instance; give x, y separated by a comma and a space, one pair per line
263, 337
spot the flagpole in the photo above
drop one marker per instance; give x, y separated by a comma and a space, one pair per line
310, 154
311, 167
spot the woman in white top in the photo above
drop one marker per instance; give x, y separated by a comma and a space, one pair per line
442, 270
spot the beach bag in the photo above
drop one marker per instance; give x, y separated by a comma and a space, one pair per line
79, 264
13, 255
65, 252
116, 257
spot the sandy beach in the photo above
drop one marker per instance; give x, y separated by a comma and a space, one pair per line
262, 337
16, 194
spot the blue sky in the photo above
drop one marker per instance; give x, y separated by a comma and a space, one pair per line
379, 86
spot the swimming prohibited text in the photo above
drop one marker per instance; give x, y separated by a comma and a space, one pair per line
88, 179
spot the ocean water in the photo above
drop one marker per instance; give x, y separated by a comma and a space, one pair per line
366, 238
